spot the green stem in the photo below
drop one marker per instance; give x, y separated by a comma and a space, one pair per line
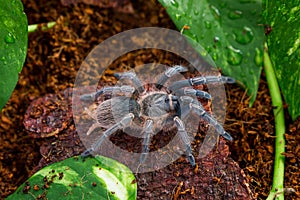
278, 174
34, 27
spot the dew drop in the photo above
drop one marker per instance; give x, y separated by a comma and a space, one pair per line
174, 3
208, 49
203, 53
234, 56
3, 59
258, 57
236, 14
196, 12
244, 36
177, 16
251, 71
216, 39
214, 56
195, 37
207, 24
9, 22
217, 42
9, 38
216, 12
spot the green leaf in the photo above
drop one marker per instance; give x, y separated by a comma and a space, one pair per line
284, 43
230, 31
75, 178
13, 46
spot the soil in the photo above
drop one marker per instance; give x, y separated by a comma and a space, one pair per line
54, 57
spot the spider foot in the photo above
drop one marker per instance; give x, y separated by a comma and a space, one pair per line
227, 136
87, 153
191, 159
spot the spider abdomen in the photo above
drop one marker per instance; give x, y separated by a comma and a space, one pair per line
113, 110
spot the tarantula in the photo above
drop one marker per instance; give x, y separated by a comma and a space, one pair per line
153, 108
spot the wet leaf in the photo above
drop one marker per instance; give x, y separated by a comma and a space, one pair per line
13, 46
284, 42
229, 31
75, 178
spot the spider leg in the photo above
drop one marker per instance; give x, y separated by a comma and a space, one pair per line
148, 131
193, 92
185, 140
122, 124
92, 114
169, 73
107, 90
202, 113
199, 81
131, 76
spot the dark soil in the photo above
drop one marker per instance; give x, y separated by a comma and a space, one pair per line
53, 59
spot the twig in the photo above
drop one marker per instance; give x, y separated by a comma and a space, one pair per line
34, 27
278, 174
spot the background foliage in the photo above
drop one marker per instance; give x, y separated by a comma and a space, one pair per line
232, 32
13, 46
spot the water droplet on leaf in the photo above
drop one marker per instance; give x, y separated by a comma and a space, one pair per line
244, 36
196, 12
174, 3
207, 24
234, 56
194, 37
203, 53
258, 57
214, 56
217, 42
177, 16
215, 12
208, 49
216, 39
9, 38
236, 14
251, 71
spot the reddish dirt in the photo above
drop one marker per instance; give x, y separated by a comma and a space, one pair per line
54, 56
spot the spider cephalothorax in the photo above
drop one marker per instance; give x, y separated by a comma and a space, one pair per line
151, 106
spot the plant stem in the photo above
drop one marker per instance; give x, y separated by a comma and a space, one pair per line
278, 174
34, 27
